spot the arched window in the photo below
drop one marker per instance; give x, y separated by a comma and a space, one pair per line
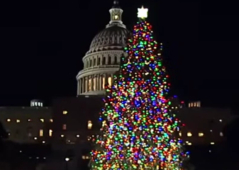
94, 61
103, 62
115, 60
109, 60
98, 62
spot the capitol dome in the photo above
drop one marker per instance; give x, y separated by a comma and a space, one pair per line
102, 60
111, 38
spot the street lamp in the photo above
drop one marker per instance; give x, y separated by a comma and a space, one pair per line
67, 160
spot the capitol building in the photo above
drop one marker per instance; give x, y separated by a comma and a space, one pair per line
70, 123
103, 58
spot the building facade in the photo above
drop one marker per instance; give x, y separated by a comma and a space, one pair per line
27, 124
204, 125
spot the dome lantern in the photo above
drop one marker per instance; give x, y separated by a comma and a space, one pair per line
116, 15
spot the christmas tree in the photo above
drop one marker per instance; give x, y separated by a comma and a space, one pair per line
138, 131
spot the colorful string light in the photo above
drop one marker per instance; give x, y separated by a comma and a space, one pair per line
138, 131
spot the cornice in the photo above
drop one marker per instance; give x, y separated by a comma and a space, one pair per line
98, 92
98, 70
103, 53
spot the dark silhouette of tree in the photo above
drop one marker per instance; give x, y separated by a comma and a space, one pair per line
3, 135
3, 132
230, 132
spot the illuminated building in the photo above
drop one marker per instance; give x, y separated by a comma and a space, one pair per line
103, 58
26, 124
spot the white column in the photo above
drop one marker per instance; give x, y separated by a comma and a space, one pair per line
106, 60
86, 83
80, 86
100, 80
92, 82
97, 82
101, 60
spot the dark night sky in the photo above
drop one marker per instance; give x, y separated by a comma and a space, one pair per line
42, 44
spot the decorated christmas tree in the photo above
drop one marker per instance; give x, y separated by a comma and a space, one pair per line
138, 131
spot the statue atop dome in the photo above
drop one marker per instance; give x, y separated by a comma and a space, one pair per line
116, 4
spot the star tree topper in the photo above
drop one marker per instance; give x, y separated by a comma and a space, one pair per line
142, 12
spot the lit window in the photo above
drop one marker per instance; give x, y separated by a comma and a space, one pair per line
83, 157
103, 82
212, 143
51, 120
198, 104
64, 127
41, 132
94, 83
200, 134
18, 121
8, 120
189, 104
89, 125
180, 134
65, 112
62, 136
42, 120
50, 132
189, 134
109, 81
221, 134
